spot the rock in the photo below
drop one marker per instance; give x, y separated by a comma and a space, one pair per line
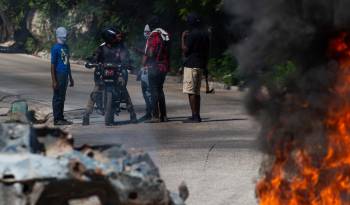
19, 111
4, 111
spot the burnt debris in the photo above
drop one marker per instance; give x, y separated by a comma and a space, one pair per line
40, 166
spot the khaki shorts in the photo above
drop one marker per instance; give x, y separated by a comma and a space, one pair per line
192, 81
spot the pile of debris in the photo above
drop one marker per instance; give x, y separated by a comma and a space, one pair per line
41, 166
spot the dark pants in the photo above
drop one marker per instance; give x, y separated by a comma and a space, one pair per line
146, 92
156, 81
59, 96
125, 93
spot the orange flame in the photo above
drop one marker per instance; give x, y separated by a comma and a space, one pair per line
327, 182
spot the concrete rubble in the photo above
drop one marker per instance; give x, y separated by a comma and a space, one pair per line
41, 166
37, 112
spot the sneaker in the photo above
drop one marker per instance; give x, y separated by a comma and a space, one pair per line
153, 120
145, 117
62, 122
100, 112
193, 120
67, 121
189, 118
86, 120
133, 118
164, 119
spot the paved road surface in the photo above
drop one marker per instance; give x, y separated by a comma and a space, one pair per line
218, 158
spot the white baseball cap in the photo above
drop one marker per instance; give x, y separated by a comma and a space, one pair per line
61, 32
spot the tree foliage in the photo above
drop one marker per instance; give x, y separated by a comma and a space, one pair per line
129, 15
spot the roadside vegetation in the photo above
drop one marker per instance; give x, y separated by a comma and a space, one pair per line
31, 24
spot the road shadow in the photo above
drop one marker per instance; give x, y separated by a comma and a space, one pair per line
224, 120
12, 50
171, 119
204, 120
124, 122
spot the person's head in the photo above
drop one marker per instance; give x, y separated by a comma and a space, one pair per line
193, 20
146, 31
61, 35
119, 36
154, 22
112, 35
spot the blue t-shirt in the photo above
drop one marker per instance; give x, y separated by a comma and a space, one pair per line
60, 57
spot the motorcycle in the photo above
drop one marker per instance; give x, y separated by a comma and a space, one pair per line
112, 79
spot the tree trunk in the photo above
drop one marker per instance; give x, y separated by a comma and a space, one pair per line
6, 28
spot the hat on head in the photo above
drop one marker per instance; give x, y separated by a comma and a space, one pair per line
146, 31
61, 32
61, 35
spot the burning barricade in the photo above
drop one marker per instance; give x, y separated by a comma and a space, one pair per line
40, 166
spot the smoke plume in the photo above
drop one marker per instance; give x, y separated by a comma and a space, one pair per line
282, 31
284, 57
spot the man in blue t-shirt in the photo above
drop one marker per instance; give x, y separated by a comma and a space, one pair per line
60, 73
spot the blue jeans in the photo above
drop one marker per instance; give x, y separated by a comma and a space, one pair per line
156, 80
125, 75
146, 91
59, 96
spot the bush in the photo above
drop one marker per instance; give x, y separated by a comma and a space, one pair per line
82, 47
281, 74
224, 69
30, 45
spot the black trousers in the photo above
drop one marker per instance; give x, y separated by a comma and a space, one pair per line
146, 91
59, 96
156, 82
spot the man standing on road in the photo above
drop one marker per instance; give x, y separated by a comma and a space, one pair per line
60, 74
195, 47
143, 77
156, 60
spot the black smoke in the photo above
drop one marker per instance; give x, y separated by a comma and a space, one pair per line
291, 108
281, 31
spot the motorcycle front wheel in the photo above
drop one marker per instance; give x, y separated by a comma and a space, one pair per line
109, 111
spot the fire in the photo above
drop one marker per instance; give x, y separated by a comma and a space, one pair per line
321, 180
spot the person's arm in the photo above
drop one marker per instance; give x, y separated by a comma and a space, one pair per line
184, 46
53, 77
128, 60
144, 57
97, 57
53, 68
152, 43
71, 81
144, 60
206, 56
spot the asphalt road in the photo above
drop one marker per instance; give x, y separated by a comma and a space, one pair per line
218, 159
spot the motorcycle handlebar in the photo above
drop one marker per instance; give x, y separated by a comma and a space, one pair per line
90, 65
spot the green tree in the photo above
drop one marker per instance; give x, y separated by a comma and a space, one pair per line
129, 16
